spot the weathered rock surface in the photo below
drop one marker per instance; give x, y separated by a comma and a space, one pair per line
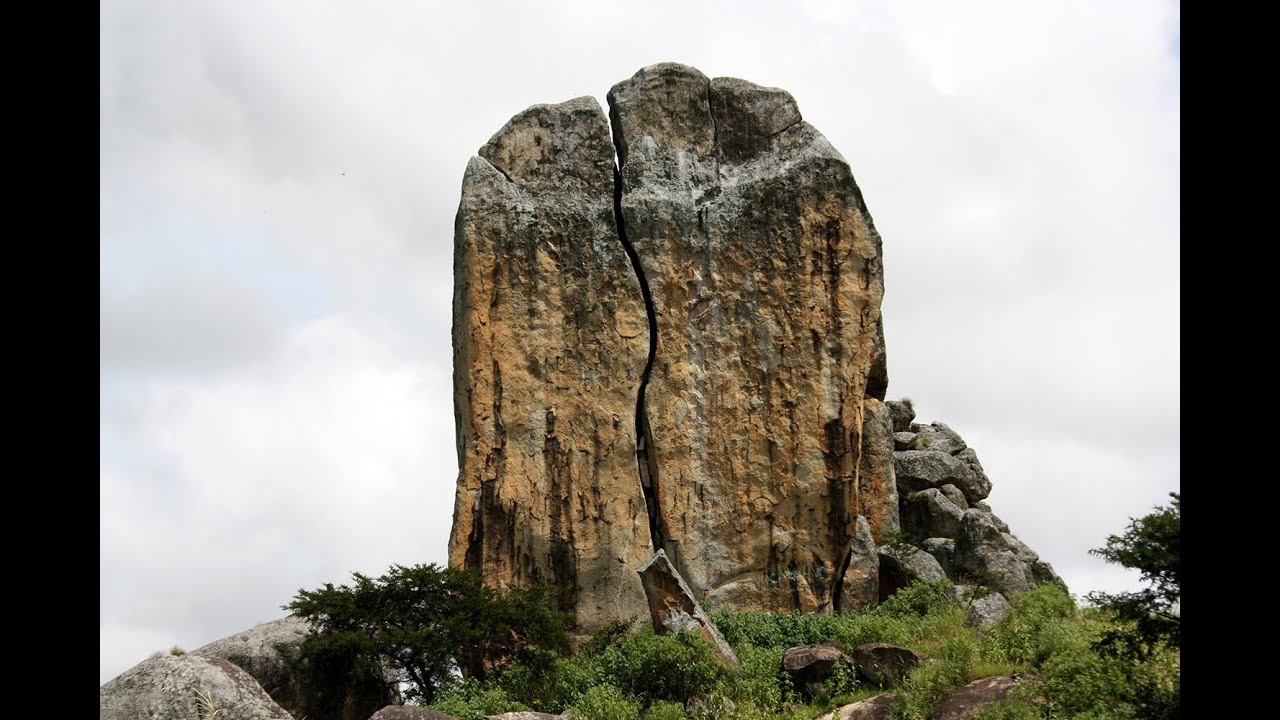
170, 687
813, 664
939, 438
952, 493
999, 559
551, 339
877, 484
930, 514
408, 712
903, 413
942, 549
900, 567
269, 652
874, 708
862, 574
987, 610
883, 664
969, 700
917, 470
674, 608
765, 278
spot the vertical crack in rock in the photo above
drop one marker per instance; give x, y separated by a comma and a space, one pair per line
646, 459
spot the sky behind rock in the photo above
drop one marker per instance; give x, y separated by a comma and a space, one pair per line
278, 182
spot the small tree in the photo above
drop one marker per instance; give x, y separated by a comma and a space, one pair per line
1151, 545
422, 622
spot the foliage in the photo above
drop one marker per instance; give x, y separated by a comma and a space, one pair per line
423, 622
1151, 545
605, 702
472, 699
918, 599
649, 667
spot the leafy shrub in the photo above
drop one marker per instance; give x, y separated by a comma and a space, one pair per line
605, 702
547, 682
652, 667
917, 599
764, 685
472, 700
665, 710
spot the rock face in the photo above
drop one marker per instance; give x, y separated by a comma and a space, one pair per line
811, 664
873, 708
969, 700
683, 352
674, 357
550, 341
408, 712
186, 687
984, 552
765, 280
269, 652
673, 607
883, 664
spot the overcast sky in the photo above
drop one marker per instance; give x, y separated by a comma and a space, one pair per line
278, 183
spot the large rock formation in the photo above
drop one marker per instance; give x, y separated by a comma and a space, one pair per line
550, 342
764, 273
269, 652
186, 687
683, 352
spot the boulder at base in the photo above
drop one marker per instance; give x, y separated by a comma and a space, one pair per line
186, 687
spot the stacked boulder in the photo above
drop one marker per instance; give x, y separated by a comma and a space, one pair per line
950, 532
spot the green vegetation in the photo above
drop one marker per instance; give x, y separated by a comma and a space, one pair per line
1150, 616
424, 623
1045, 640
1118, 658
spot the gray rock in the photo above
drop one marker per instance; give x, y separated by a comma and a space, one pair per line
861, 583
980, 486
903, 414
812, 664
941, 549
900, 566
882, 664
928, 513
902, 441
877, 485
969, 700
173, 687
409, 712
269, 652
985, 554
956, 497
873, 708
939, 438
673, 608
987, 610
984, 507
917, 470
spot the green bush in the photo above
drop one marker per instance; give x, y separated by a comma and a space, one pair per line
764, 685
605, 702
547, 682
473, 700
665, 710
651, 667
917, 599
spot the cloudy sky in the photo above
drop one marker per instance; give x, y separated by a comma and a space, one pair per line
278, 182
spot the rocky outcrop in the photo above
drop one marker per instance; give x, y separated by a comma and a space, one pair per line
873, 708
902, 565
861, 575
409, 712
680, 365
969, 700
765, 280
882, 664
996, 558
551, 340
186, 687
877, 484
813, 664
930, 514
941, 487
673, 607
269, 652
987, 610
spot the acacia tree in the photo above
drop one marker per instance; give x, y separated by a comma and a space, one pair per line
423, 622
1151, 545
